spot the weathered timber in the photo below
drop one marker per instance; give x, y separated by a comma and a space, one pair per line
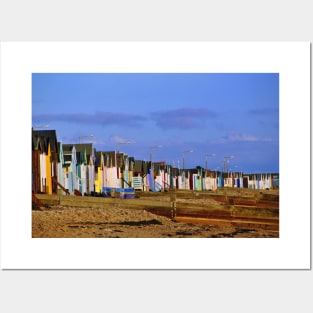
77, 193
54, 179
265, 225
105, 202
36, 200
48, 199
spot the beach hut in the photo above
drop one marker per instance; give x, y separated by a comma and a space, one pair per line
123, 170
210, 181
245, 181
73, 182
98, 172
174, 177
112, 171
159, 175
220, 179
237, 180
137, 179
45, 141
61, 171
168, 180
228, 180
70, 161
83, 154
37, 150
196, 178
184, 180
275, 180
251, 181
43, 168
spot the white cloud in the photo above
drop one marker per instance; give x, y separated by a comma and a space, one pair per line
240, 137
117, 139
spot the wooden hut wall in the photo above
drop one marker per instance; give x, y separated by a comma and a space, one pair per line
126, 180
70, 181
197, 185
180, 181
227, 182
79, 176
188, 181
275, 180
260, 182
66, 185
214, 183
151, 177
220, 180
268, 182
60, 168
64, 178
54, 170
250, 182
104, 176
210, 183
174, 178
237, 182
43, 169
98, 179
119, 181
167, 180
83, 178
185, 181
257, 182
146, 182
61, 177
90, 178
245, 181
73, 181
130, 177
36, 185
160, 178
113, 181
193, 185
137, 182
264, 181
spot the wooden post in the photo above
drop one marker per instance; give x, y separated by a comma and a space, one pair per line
226, 198
232, 216
173, 205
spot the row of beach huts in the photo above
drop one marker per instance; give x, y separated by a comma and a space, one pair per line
78, 169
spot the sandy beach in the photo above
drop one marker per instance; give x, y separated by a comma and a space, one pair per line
71, 222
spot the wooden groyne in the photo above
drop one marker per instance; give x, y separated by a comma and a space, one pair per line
226, 207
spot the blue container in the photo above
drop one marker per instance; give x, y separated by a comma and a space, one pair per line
106, 191
125, 193
128, 193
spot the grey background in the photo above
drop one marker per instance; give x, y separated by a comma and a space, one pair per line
156, 291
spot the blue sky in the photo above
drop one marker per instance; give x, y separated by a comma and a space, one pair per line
222, 114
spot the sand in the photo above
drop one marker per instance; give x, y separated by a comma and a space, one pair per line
69, 222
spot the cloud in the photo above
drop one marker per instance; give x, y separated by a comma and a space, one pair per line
119, 139
264, 111
183, 118
240, 137
99, 118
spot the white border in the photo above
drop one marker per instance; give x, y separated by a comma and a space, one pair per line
290, 251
